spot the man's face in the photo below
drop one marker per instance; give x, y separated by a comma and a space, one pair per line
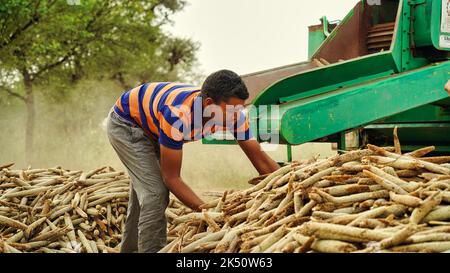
227, 112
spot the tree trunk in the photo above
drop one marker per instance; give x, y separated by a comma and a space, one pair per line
29, 130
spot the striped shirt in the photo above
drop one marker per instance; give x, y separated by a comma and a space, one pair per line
172, 114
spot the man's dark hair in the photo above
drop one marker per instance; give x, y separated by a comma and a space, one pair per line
224, 84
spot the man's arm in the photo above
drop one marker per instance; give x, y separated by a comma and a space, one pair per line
262, 162
171, 170
447, 87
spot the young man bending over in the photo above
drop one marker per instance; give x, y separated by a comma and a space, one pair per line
147, 128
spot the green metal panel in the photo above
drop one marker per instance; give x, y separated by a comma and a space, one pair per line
333, 87
405, 38
324, 79
289, 153
316, 117
422, 23
315, 39
396, 46
425, 113
427, 23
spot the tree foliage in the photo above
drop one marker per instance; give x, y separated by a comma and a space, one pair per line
53, 40
55, 43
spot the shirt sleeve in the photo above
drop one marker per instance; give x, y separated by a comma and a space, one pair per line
170, 129
241, 129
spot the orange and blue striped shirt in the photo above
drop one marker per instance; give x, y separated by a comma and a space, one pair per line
165, 111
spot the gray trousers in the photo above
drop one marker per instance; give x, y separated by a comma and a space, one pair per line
146, 224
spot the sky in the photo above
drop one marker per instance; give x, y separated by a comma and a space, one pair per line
252, 35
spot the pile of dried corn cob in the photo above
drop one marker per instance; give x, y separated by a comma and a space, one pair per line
55, 210
373, 200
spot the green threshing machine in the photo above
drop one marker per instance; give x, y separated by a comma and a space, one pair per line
383, 66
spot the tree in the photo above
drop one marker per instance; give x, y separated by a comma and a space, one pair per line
43, 42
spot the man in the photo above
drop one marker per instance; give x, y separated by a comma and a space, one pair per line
148, 126
447, 87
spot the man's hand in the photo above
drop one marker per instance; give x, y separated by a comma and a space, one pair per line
447, 87
171, 169
262, 162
